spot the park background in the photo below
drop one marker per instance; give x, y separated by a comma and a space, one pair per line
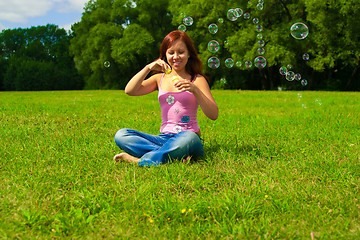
127, 34
278, 164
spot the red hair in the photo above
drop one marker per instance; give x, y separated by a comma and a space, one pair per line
194, 65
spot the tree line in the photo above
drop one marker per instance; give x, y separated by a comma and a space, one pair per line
127, 34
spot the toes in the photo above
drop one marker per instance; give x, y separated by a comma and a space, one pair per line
117, 157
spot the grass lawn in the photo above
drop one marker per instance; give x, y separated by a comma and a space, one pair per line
278, 165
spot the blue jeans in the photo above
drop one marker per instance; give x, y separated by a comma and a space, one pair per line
159, 149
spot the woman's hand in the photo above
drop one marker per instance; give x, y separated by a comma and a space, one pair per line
185, 85
158, 65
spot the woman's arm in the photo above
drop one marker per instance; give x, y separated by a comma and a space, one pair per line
201, 90
137, 86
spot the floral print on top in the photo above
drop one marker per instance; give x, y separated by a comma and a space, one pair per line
178, 111
170, 99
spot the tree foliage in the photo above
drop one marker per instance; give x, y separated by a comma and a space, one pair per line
37, 58
128, 34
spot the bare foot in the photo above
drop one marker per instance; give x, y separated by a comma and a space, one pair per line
186, 160
126, 157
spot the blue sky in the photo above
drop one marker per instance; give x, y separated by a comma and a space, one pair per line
28, 13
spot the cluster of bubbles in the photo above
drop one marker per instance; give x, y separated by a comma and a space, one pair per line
290, 75
214, 46
187, 22
298, 31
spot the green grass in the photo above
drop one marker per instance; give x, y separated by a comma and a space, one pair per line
278, 165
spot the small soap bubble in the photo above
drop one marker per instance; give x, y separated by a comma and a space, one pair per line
213, 28
188, 21
261, 43
213, 62
283, 70
261, 1
260, 62
306, 56
238, 63
248, 64
182, 28
229, 62
247, 16
297, 76
299, 30
226, 43
289, 66
221, 20
232, 15
260, 6
304, 82
290, 76
256, 20
107, 64
213, 46
223, 80
260, 36
261, 51
259, 28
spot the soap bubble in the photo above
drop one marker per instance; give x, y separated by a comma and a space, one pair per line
182, 28
261, 51
223, 80
304, 82
256, 20
247, 16
261, 43
260, 62
299, 30
283, 70
259, 28
232, 15
260, 6
290, 76
213, 62
188, 21
306, 56
260, 36
229, 62
107, 64
289, 66
248, 64
213, 46
297, 76
238, 12
238, 63
213, 28
221, 20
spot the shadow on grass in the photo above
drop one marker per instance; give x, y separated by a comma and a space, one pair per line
215, 150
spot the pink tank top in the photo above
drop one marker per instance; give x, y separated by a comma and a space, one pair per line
178, 111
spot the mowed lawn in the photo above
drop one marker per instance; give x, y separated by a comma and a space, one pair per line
278, 165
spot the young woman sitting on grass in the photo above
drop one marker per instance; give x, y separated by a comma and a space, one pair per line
182, 88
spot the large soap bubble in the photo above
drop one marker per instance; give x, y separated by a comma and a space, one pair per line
299, 30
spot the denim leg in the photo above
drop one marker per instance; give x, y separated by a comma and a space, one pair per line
179, 146
137, 143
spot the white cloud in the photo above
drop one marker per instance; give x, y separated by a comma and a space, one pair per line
19, 11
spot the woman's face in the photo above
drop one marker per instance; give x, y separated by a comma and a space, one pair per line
177, 55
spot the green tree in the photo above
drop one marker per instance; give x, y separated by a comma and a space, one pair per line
125, 33
38, 58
